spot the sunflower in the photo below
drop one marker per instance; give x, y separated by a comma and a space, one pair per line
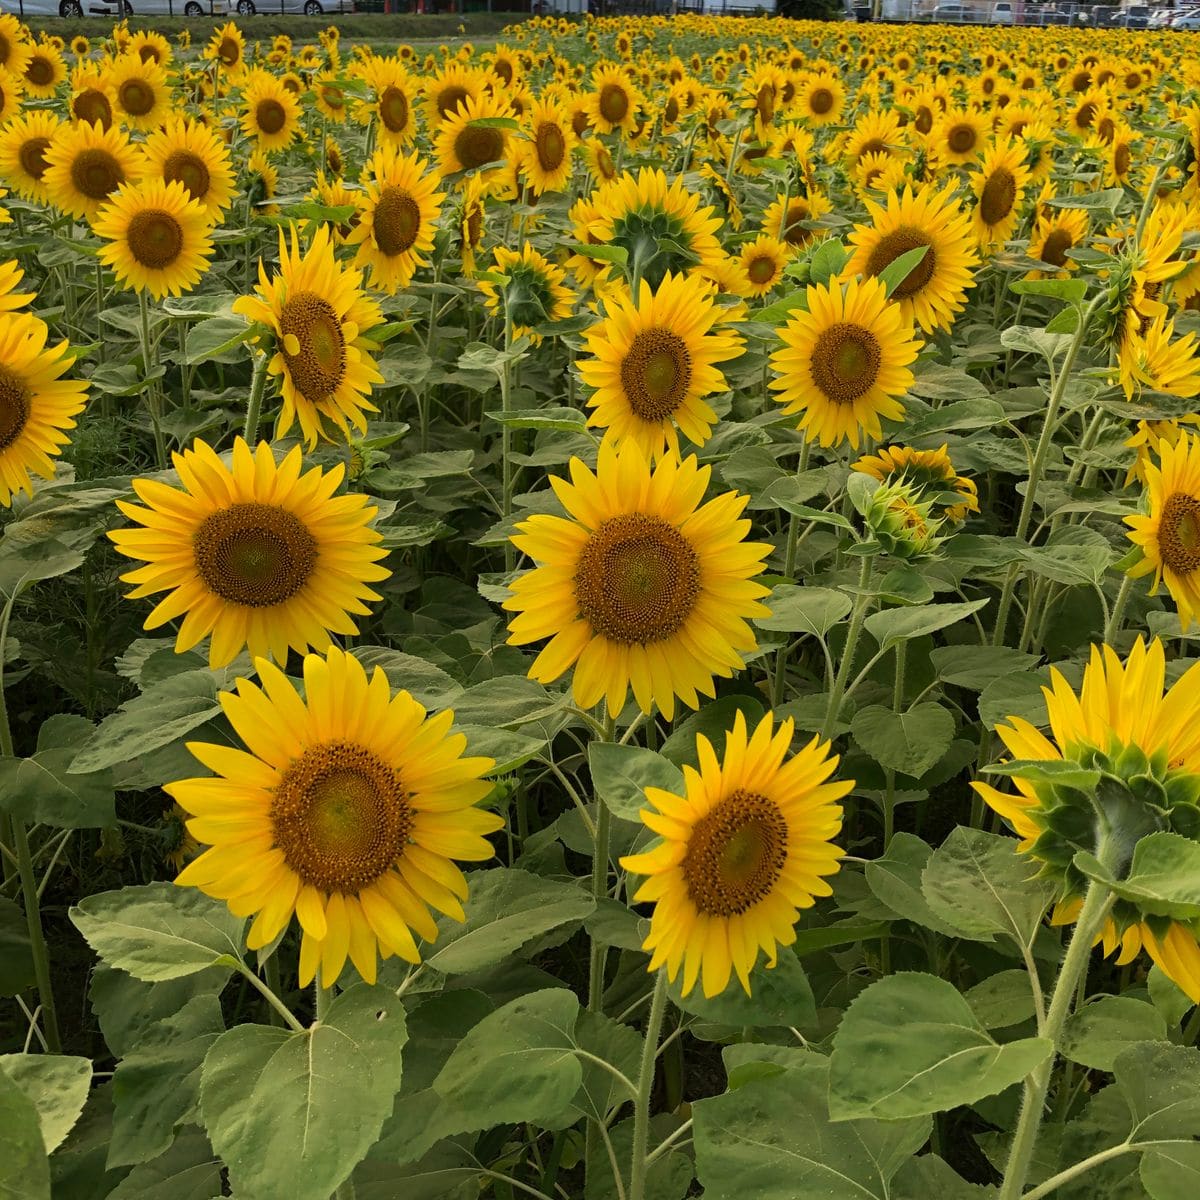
11, 275
614, 100
792, 229
258, 556
545, 155
741, 853
452, 86
270, 113
654, 361
820, 98
330, 94
139, 93
227, 48
930, 471
187, 152
1145, 440
959, 136
1154, 358
1061, 230
999, 187
844, 363
469, 139
394, 108
150, 46
761, 264
534, 294
400, 211
874, 133
641, 585
333, 193
1122, 719
935, 290
262, 182
11, 91
36, 405
14, 45
348, 811
320, 318
86, 165
158, 238
44, 71
80, 46
24, 145
1120, 157
90, 100
470, 222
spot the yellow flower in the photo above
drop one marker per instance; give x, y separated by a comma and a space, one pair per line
44, 71
762, 264
227, 47
1154, 358
535, 293
24, 145
545, 155
185, 151
614, 100
464, 144
138, 92
86, 165
927, 470
270, 113
1061, 230
999, 186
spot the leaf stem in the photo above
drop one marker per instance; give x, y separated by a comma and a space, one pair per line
153, 394
861, 600
270, 997
641, 1112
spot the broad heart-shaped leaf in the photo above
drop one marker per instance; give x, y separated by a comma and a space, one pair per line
1003, 999
780, 996
24, 563
507, 909
1164, 876
814, 610
621, 774
127, 1008
158, 931
896, 880
156, 1088
428, 684
24, 1168
894, 625
910, 742
1172, 1172
1103, 1028
187, 1170
56, 1085
38, 789
1161, 1084
910, 1044
978, 883
929, 1177
518, 1063
292, 1114
772, 1139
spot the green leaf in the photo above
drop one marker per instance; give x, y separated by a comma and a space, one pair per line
620, 775
813, 610
1003, 999
57, 1087
1051, 771
187, 1170
1159, 1083
518, 1064
1107, 199
215, 337
955, 417
899, 269
896, 880
616, 1044
127, 1008
39, 789
1164, 877
926, 1049
1071, 290
563, 420
827, 260
16, 954
1172, 1172
1104, 1027
772, 1139
429, 685
910, 742
668, 1177
156, 1088
24, 563
894, 625
978, 882
505, 702
292, 1114
24, 1168
1051, 346
930, 1176
780, 996
158, 931
818, 516
508, 908
974, 667
846, 933
1168, 997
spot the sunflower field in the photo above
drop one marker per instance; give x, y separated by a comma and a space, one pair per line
607, 616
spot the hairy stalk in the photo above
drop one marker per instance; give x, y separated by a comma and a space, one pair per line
852, 634
258, 383
153, 393
641, 1111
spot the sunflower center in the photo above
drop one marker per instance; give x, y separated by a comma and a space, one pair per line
795, 234
136, 97
320, 364
182, 166
551, 146
845, 362
449, 98
33, 156
671, 111
961, 139
229, 52
14, 406
270, 116
148, 54
254, 554
155, 238
1058, 242
1179, 533
924, 118
614, 103
638, 579
820, 101
998, 196
40, 71
393, 109
656, 374
899, 242
735, 854
761, 270
764, 102
93, 106
340, 816
1106, 130
1121, 159
478, 144
397, 221
872, 146
579, 121
503, 70
333, 96
96, 174
1085, 115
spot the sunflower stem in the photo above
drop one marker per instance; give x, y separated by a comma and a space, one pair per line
153, 395
789, 570
506, 471
258, 384
1117, 616
1039, 462
1097, 902
861, 600
641, 1111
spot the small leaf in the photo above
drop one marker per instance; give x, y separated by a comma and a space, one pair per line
1003, 999
1098, 1032
621, 774
910, 742
813, 610
894, 625
39, 789
1164, 877
899, 269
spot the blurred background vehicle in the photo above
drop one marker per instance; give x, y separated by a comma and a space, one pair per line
310, 8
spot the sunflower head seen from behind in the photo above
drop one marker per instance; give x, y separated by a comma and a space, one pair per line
347, 809
535, 292
745, 848
254, 555
641, 585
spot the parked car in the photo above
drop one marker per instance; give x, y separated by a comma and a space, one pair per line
1002, 13
1188, 19
310, 8
147, 8
952, 14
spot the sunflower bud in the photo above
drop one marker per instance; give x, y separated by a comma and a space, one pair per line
901, 521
